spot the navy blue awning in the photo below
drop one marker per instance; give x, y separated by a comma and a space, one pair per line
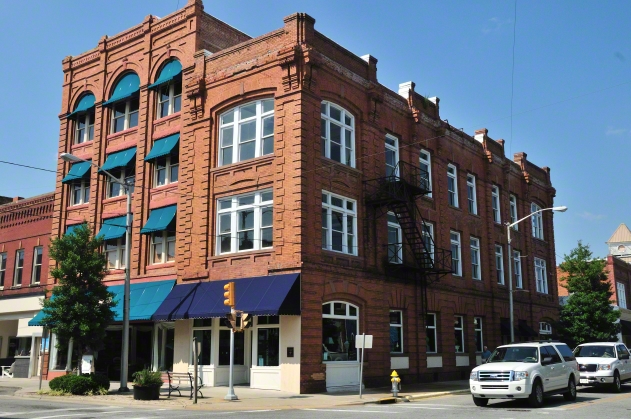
259, 296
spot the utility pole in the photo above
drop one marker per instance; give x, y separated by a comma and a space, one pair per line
229, 300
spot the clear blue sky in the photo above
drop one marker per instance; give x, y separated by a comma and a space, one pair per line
571, 97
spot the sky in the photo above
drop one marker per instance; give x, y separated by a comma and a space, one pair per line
550, 78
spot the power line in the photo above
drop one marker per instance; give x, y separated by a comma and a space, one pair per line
28, 167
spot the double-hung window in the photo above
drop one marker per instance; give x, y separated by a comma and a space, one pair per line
170, 98
19, 267
459, 333
167, 168
499, 263
452, 185
84, 127
495, 203
425, 163
396, 331
471, 195
537, 221
3, 268
456, 262
395, 240
621, 293
80, 191
392, 156
38, 252
162, 246
475, 258
339, 223
115, 253
125, 175
513, 211
541, 276
337, 132
430, 332
246, 132
125, 115
479, 335
519, 283
244, 222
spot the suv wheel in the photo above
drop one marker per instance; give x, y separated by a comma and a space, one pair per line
536, 397
570, 394
479, 401
616, 386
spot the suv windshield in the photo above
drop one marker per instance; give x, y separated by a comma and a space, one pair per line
596, 351
515, 354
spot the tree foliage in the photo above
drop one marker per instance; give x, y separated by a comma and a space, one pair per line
588, 315
81, 306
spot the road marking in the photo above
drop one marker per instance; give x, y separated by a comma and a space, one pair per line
597, 401
352, 411
53, 410
423, 407
438, 404
82, 414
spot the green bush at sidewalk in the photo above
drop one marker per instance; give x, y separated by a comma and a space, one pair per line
80, 384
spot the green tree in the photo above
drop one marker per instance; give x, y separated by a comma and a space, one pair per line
588, 315
81, 306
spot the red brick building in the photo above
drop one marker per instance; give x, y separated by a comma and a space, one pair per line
280, 162
25, 226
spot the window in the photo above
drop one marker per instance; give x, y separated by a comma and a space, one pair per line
224, 346
244, 222
479, 338
19, 267
246, 132
456, 263
392, 156
395, 240
537, 221
622, 297
3, 268
495, 203
425, 164
170, 98
339, 328
124, 175
166, 168
37, 264
452, 185
428, 240
475, 258
517, 268
84, 127
513, 212
540, 276
115, 253
162, 247
80, 192
202, 332
268, 341
459, 333
339, 225
337, 129
499, 263
545, 328
548, 351
125, 115
471, 195
396, 331
430, 331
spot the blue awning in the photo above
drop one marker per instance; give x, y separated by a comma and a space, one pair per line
85, 104
113, 228
126, 87
77, 171
144, 298
36, 321
259, 296
71, 228
163, 146
171, 71
118, 159
159, 219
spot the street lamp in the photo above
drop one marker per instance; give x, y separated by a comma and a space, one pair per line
510, 263
128, 190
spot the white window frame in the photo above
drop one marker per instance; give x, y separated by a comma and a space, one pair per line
513, 212
519, 284
475, 259
459, 319
327, 231
86, 132
127, 176
452, 185
82, 188
395, 250
456, 245
127, 116
471, 195
19, 269
37, 251
168, 167
255, 344
537, 221
392, 146
212, 339
347, 127
479, 333
541, 276
433, 330
3, 268
621, 295
428, 232
425, 163
399, 326
163, 239
118, 250
495, 203
263, 201
170, 100
545, 328
347, 316
499, 263
231, 121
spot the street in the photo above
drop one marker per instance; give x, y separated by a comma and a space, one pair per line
589, 404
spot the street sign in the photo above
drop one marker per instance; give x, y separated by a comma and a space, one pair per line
360, 343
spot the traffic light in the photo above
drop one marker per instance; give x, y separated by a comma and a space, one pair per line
246, 321
231, 321
228, 294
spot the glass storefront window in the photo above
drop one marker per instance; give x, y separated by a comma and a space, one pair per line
338, 331
203, 337
224, 348
268, 347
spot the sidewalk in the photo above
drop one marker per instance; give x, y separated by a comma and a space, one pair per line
249, 399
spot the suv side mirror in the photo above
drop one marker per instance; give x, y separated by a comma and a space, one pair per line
546, 360
623, 356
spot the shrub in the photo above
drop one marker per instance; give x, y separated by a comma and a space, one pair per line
148, 378
80, 384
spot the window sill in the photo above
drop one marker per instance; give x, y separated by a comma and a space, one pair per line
34, 284
15, 287
114, 271
161, 188
1, 288
115, 199
77, 207
338, 253
339, 164
166, 118
121, 133
242, 253
240, 164
160, 266
453, 208
399, 354
83, 144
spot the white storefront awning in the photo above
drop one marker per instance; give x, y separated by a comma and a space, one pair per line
20, 308
26, 331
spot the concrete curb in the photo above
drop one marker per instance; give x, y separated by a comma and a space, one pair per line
410, 397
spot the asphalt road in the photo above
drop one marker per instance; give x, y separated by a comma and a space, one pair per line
590, 403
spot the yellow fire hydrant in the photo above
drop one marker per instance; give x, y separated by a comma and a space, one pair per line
395, 383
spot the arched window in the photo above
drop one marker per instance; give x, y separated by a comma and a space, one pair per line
83, 115
169, 88
337, 130
124, 103
340, 325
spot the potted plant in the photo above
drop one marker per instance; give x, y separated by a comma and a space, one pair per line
147, 384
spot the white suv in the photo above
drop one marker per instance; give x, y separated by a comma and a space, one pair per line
603, 363
526, 370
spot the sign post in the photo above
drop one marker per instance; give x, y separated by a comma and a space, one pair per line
366, 343
195, 371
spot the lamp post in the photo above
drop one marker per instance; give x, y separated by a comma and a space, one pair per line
127, 187
510, 263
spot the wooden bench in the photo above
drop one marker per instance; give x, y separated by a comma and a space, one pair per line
183, 379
